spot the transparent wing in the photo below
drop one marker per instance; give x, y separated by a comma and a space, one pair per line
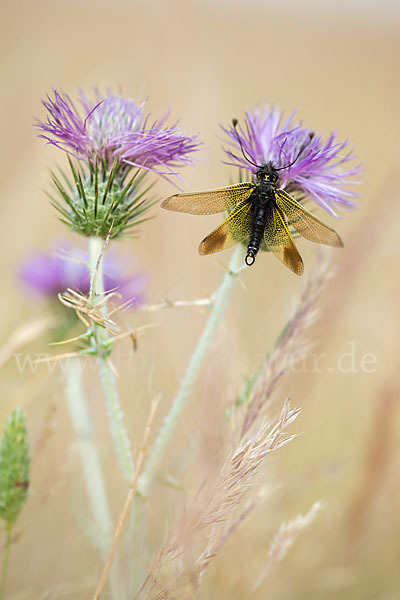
305, 223
233, 230
211, 202
278, 240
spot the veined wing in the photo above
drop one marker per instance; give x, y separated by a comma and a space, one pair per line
278, 240
305, 223
233, 230
211, 202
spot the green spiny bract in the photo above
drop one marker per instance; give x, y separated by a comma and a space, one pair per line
98, 201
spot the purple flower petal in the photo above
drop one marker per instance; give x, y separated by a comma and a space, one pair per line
113, 127
46, 275
320, 166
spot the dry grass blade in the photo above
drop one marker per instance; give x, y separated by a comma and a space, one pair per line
88, 312
24, 334
167, 303
128, 501
215, 513
293, 343
93, 282
285, 538
49, 359
68, 590
380, 451
224, 499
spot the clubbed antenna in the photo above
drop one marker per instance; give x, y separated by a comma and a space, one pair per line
235, 123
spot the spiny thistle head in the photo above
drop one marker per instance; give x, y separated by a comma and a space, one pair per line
98, 201
318, 166
14, 467
114, 146
111, 128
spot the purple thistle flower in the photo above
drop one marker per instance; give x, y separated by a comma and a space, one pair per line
46, 275
320, 166
113, 127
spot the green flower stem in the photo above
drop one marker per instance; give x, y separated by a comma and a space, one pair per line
96, 268
91, 464
107, 376
4, 568
116, 418
252, 380
88, 453
221, 300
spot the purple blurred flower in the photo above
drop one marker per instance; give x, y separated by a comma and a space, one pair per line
321, 169
46, 275
115, 127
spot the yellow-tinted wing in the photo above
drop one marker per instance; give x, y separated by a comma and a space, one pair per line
233, 230
277, 238
211, 202
305, 223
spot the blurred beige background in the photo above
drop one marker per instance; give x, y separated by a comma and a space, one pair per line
208, 62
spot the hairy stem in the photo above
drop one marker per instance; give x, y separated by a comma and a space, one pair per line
116, 418
252, 380
107, 376
221, 300
88, 453
128, 502
90, 461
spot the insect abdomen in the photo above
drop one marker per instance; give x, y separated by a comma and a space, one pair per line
257, 230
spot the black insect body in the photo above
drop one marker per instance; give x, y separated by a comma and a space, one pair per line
261, 214
263, 204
